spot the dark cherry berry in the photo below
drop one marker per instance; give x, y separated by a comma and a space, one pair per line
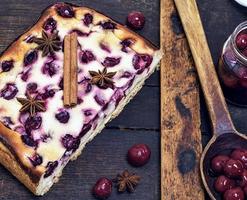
70, 143
136, 20
65, 10
88, 19
9, 91
50, 69
234, 194
111, 61
103, 188
33, 123
125, 44
233, 168
243, 179
109, 25
51, 166
87, 56
36, 160
138, 155
50, 24
240, 154
28, 140
222, 183
62, 116
7, 65
32, 87
48, 93
218, 163
7, 121
141, 61
30, 57
241, 41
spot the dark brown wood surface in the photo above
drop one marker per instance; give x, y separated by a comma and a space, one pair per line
139, 122
181, 146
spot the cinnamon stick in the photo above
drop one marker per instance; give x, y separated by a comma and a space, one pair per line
66, 71
73, 69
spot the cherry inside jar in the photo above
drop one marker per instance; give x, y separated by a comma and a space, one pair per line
232, 68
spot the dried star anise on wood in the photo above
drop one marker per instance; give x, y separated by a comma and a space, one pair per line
31, 105
127, 181
48, 43
102, 79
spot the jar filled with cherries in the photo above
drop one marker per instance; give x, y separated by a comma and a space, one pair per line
232, 69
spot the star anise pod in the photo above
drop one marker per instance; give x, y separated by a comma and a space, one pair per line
48, 43
102, 79
127, 181
31, 105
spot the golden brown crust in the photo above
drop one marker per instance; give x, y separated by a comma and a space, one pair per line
7, 159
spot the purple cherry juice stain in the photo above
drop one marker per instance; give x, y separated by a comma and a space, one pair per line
125, 44
50, 69
118, 96
99, 100
126, 74
105, 47
108, 25
80, 33
25, 74
28, 140
111, 61
141, 62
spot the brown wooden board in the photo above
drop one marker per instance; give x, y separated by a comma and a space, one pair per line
180, 117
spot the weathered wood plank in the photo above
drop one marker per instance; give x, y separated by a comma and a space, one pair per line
180, 118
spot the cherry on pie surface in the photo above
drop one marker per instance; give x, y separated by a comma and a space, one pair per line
38, 135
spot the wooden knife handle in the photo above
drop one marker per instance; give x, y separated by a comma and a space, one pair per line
220, 118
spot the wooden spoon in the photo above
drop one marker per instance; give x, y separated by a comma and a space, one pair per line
225, 137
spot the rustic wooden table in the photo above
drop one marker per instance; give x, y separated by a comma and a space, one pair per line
139, 122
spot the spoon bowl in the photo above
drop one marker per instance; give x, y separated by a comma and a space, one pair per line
225, 137
223, 144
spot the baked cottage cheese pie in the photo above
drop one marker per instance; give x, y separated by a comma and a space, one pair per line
39, 135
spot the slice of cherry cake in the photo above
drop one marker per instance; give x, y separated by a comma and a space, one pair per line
38, 134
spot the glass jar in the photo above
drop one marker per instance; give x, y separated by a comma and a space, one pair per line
232, 68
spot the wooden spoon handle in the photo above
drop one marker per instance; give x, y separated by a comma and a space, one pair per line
220, 117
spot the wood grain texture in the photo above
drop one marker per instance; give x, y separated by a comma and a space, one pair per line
180, 118
220, 117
